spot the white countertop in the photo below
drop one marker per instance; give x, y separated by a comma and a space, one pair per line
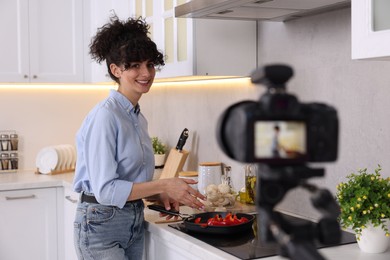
30, 180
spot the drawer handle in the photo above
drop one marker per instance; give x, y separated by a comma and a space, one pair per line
20, 197
70, 199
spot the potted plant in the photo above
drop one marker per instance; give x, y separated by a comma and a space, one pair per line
364, 200
159, 149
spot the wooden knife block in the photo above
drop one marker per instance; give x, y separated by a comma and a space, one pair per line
174, 163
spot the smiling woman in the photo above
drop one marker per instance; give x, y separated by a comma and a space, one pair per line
115, 162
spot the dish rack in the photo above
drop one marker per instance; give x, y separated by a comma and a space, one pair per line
56, 159
53, 172
9, 154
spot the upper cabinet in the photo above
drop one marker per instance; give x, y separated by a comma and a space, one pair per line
195, 47
96, 14
190, 46
172, 36
371, 29
41, 41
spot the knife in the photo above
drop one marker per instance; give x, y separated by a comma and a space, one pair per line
182, 140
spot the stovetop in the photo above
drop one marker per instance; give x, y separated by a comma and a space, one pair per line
246, 246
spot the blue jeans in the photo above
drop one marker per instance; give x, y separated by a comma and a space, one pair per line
108, 232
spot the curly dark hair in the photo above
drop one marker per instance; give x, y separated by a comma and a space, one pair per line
123, 42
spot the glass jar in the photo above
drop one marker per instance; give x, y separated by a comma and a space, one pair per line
209, 173
250, 183
14, 161
14, 142
4, 142
4, 158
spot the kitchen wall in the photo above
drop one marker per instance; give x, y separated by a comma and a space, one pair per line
45, 115
319, 49
52, 115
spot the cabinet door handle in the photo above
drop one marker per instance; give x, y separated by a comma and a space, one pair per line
20, 197
70, 199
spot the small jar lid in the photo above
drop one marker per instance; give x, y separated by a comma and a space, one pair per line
209, 164
14, 136
4, 155
188, 174
13, 155
4, 136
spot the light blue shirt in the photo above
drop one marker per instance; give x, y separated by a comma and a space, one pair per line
114, 151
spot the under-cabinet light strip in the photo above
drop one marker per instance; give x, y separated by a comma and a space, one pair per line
105, 86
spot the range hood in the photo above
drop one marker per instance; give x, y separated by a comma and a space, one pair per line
272, 10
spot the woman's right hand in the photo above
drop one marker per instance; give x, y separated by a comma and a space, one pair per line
179, 190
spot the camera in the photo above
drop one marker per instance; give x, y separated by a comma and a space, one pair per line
281, 135
278, 129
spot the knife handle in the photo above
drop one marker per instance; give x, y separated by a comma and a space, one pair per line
182, 140
162, 209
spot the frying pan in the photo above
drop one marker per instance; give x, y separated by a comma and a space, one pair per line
190, 225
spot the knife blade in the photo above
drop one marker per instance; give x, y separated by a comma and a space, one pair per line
182, 140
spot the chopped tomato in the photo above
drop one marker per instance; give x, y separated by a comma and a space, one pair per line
232, 219
217, 223
218, 217
229, 220
197, 220
243, 220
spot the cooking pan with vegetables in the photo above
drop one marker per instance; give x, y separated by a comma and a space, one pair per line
223, 223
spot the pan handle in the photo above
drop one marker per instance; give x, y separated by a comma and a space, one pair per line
162, 209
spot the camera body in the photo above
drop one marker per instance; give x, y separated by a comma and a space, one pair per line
278, 129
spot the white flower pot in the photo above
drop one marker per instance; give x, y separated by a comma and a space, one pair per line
373, 240
159, 160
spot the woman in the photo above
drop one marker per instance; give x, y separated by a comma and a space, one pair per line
115, 161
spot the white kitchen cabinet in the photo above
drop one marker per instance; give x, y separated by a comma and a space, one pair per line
170, 35
28, 224
41, 41
157, 248
191, 46
174, 37
96, 14
67, 206
199, 46
370, 29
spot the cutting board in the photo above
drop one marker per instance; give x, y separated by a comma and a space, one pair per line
174, 163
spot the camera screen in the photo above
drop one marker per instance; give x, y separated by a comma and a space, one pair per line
279, 140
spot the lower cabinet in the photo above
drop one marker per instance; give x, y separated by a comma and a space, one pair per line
28, 224
69, 199
162, 249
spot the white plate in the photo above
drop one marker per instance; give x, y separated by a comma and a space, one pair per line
60, 152
69, 157
47, 160
74, 157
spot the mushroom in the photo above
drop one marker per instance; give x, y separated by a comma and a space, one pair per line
224, 188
